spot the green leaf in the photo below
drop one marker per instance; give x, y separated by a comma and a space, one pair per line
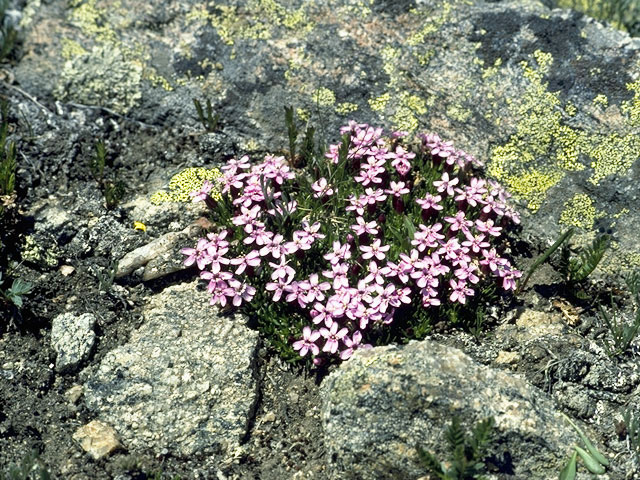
592, 450
590, 463
430, 462
455, 435
569, 470
581, 267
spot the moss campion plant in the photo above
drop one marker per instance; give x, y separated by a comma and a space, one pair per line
380, 233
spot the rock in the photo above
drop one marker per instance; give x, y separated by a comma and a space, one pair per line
73, 394
507, 358
159, 257
184, 382
97, 439
72, 336
383, 402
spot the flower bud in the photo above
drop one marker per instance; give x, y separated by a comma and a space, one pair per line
398, 204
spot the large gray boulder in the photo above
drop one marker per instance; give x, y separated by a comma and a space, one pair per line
184, 383
384, 402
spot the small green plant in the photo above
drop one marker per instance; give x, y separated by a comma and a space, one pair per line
591, 458
543, 258
575, 264
211, 122
113, 189
632, 430
107, 276
307, 149
14, 294
7, 154
466, 452
622, 333
30, 468
369, 241
576, 268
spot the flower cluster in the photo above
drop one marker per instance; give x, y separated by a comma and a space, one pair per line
377, 228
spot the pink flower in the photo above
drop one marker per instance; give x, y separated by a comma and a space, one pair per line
459, 222
475, 243
488, 227
314, 288
274, 247
277, 288
445, 184
352, 344
375, 274
199, 255
459, 291
241, 292
203, 193
295, 293
375, 250
308, 342
234, 165
397, 189
362, 227
282, 270
322, 188
430, 202
340, 252
332, 336
251, 259
401, 160
357, 204
427, 237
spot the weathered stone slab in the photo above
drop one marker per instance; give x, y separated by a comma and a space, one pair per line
184, 382
384, 402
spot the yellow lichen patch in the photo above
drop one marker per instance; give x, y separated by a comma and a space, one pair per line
119, 93
379, 103
303, 114
601, 100
621, 213
532, 184
323, 97
71, 49
358, 9
492, 71
570, 144
187, 181
409, 107
255, 21
429, 25
612, 155
92, 21
579, 212
570, 109
345, 108
632, 107
458, 113
541, 135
